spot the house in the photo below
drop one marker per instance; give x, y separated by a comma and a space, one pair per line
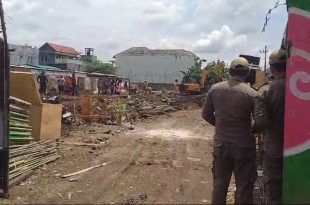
23, 54
63, 57
155, 66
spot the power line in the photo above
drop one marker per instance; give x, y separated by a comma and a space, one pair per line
268, 15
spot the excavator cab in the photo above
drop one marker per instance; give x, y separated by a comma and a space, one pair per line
190, 85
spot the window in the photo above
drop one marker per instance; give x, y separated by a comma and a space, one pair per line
42, 59
45, 58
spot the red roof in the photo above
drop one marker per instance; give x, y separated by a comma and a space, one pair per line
65, 50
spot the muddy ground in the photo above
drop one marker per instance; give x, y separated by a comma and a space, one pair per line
163, 161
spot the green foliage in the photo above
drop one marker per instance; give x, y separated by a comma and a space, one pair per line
217, 72
193, 71
120, 108
100, 67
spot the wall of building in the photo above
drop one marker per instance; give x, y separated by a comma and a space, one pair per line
153, 68
24, 55
72, 67
46, 56
90, 58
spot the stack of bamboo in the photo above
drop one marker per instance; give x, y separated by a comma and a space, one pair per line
26, 158
20, 128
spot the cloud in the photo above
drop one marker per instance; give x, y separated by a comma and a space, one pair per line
219, 40
212, 28
161, 12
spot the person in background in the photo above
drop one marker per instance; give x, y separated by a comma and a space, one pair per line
109, 87
42, 80
68, 84
126, 85
61, 85
269, 116
176, 86
113, 87
145, 85
73, 84
118, 87
105, 86
229, 106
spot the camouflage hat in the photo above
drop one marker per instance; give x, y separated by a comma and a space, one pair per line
278, 56
240, 64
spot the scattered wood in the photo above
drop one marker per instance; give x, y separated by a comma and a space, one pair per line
21, 178
26, 158
84, 170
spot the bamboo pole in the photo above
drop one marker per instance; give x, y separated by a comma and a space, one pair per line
16, 100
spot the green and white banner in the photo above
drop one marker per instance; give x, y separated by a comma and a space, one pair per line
297, 113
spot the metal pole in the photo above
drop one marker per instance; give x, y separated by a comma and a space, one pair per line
265, 68
265, 51
4, 108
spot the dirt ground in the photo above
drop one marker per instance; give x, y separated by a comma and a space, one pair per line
163, 161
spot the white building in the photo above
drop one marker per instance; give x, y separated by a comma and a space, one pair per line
23, 54
155, 66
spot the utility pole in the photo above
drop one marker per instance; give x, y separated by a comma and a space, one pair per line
265, 51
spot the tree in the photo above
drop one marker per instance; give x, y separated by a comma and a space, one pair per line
195, 70
100, 67
216, 72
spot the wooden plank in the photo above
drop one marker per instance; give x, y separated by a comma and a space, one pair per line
20, 129
29, 91
84, 170
51, 122
15, 114
21, 178
20, 101
35, 121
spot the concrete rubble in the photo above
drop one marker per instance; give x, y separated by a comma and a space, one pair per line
115, 110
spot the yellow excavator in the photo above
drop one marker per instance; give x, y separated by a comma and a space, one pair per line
197, 84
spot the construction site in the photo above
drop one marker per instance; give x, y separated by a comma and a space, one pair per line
74, 134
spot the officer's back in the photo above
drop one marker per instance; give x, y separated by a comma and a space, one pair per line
233, 105
228, 107
232, 102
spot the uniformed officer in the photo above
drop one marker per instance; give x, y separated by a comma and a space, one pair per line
229, 106
269, 115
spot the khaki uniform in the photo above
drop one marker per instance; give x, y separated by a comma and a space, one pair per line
269, 115
228, 107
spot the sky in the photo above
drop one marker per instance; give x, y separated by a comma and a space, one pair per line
212, 29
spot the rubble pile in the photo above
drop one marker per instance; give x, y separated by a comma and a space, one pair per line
148, 105
113, 110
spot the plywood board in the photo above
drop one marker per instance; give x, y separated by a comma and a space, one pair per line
35, 121
51, 122
23, 86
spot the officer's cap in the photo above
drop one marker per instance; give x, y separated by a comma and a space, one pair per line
240, 64
278, 57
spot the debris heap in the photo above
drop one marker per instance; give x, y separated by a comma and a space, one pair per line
112, 110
